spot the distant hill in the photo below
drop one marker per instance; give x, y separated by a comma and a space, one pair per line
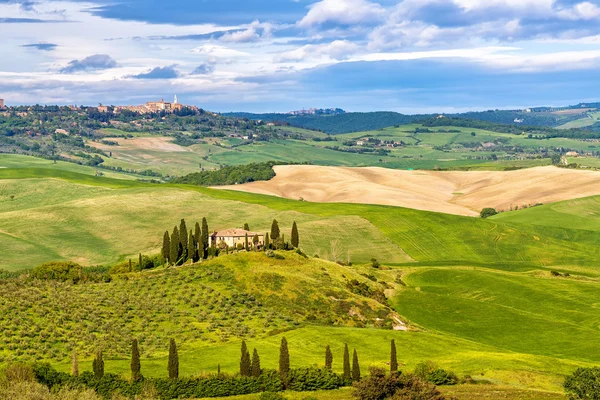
336, 124
359, 122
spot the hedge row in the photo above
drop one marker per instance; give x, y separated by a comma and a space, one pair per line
219, 385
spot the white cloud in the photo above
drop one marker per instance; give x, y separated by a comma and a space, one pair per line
244, 36
336, 50
342, 12
217, 51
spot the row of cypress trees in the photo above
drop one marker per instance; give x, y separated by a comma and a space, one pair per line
249, 366
136, 365
182, 246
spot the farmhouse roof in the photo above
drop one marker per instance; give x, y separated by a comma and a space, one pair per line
234, 232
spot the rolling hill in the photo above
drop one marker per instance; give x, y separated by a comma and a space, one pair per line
461, 193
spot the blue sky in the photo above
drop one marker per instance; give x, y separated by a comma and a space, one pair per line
279, 55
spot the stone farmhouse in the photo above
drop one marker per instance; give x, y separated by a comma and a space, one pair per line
233, 237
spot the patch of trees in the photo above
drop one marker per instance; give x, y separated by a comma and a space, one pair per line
68, 271
231, 175
584, 383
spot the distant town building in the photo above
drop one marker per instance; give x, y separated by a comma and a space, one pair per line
151, 107
1, 104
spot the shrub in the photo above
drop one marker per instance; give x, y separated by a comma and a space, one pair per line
270, 396
379, 386
583, 384
375, 263
310, 379
488, 212
19, 373
414, 388
430, 372
60, 271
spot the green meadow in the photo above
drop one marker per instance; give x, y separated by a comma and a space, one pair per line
477, 296
440, 148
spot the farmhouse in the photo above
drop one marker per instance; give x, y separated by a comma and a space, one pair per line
233, 237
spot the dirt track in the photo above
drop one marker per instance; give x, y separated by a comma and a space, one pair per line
462, 193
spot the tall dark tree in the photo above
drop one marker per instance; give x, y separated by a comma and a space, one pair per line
393, 358
166, 247
246, 227
198, 237
191, 246
255, 241
136, 367
355, 367
140, 263
204, 241
173, 360
255, 364
295, 238
197, 232
284, 359
274, 230
347, 370
267, 242
246, 243
174, 252
245, 364
183, 239
98, 365
328, 358
130, 265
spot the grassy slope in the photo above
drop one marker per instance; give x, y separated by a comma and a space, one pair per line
98, 229
517, 327
583, 214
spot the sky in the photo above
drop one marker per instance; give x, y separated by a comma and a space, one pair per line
411, 56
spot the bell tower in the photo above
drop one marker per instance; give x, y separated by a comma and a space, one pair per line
175, 100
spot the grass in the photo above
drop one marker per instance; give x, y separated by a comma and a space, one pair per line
431, 150
479, 296
583, 214
98, 229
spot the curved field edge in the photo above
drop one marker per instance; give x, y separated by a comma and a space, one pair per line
424, 236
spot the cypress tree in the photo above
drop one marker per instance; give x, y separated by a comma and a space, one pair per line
191, 245
267, 242
140, 262
183, 240
295, 238
246, 243
198, 238
74, 364
197, 232
246, 227
245, 367
136, 367
204, 238
274, 230
255, 241
355, 367
255, 364
393, 358
174, 252
166, 247
284, 360
347, 371
328, 358
173, 360
130, 265
98, 365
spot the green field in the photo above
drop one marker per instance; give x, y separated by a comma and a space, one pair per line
477, 295
441, 148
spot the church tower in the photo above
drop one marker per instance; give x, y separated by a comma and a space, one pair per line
175, 100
